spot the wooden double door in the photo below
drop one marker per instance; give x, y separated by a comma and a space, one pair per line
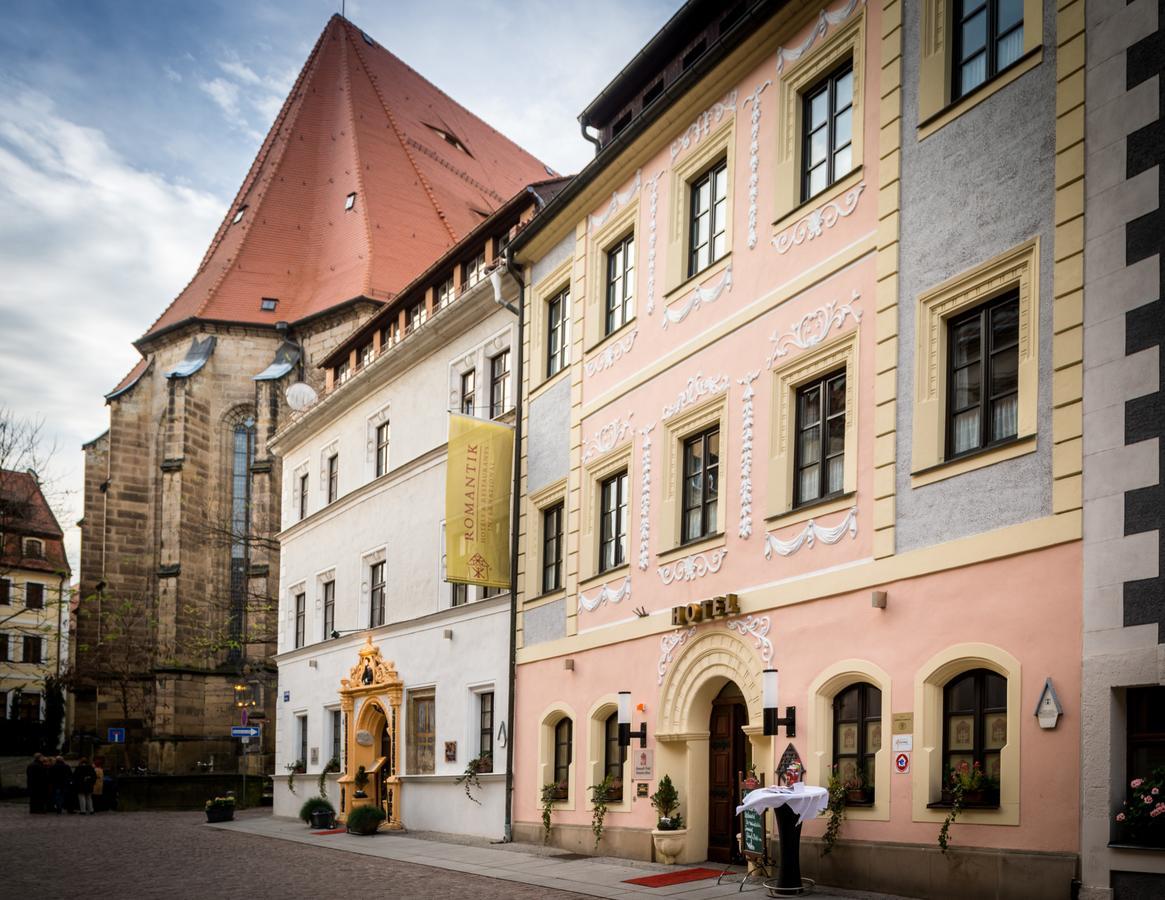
728, 755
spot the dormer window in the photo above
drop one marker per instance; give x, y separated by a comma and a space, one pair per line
451, 139
350, 202
33, 548
239, 215
268, 304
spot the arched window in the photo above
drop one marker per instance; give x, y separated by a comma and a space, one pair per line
613, 758
857, 737
563, 742
242, 455
974, 729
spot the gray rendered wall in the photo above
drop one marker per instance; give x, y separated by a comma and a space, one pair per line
977, 187
544, 623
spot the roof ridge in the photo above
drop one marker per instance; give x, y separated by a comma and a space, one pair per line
401, 140
362, 205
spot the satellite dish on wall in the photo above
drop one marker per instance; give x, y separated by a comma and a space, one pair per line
300, 396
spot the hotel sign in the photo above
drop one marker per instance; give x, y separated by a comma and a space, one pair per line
713, 608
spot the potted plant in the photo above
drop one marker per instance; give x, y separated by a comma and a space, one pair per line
220, 809
669, 835
333, 765
1140, 821
968, 785
857, 791
294, 768
481, 763
600, 794
836, 810
319, 813
552, 792
365, 819
360, 779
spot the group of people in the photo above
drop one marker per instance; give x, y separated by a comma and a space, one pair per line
55, 786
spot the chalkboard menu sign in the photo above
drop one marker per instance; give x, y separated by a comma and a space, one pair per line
752, 825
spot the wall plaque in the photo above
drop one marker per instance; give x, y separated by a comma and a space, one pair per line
903, 723
364, 738
451, 751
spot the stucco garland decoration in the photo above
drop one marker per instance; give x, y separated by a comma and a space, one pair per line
825, 216
667, 646
756, 627
812, 328
645, 497
703, 124
813, 532
745, 530
606, 595
692, 567
611, 354
652, 207
617, 200
820, 28
607, 437
698, 387
700, 296
754, 161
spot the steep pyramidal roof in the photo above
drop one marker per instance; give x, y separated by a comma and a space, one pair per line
423, 169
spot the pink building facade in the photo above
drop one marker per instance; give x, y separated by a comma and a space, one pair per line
793, 404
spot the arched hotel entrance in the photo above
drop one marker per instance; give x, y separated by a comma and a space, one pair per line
709, 724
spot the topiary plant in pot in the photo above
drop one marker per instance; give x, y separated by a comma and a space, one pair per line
318, 812
360, 779
365, 820
669, 835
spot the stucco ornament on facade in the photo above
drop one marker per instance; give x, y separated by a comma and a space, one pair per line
812, 328
820, 29
618, 200
652, 208
667, 646
606, 594
699, 129
814, 224
698, 387
756, 627
611, 354
754, 160
745, 530
811, 533
607, 438
700, 296
645, 497
692, 567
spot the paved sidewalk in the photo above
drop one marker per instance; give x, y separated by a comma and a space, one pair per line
528, 864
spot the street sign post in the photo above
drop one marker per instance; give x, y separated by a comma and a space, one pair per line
245, 731
116, 736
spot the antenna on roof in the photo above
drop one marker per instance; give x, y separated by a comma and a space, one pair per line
342, 3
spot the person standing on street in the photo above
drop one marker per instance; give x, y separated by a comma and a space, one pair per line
84, 777
61, 777
99, 799
35, 776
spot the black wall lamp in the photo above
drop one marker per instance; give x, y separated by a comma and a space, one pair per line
771, 711
625, 732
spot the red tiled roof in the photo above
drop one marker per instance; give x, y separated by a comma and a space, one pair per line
25, 511
130, 379
357, 120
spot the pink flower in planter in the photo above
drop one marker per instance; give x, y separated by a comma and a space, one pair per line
1146, 798
1136, 783
1157, 811
1120, 817
1155, 792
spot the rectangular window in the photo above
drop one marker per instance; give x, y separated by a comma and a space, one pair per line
1145, 723
342, 373
34, 595
485, 737
333, 477
701, 485
390, 334
5, 592
614, 757
819, 453
376, 579
827, 117
337, 732
415, 317
557, 336
364, 356
445, 293
29, 708
983, 354
708, 222
613, 502
302, 499
422, 734
329, 608
459, 594
381, 449
301, 739
552, 549
987, 38
499, 384
620, 307
3, 657
32, 650
300, 618
563, 756
468, 392
474, 270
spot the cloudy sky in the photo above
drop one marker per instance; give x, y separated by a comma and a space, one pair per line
126, 127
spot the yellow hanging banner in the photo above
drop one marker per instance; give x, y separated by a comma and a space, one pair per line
478, 479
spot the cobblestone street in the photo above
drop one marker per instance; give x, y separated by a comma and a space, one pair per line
174, 855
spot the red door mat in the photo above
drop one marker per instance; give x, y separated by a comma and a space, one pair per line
667, 879
332, 831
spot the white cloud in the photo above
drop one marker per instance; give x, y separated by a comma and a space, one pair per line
172, 74
225, 94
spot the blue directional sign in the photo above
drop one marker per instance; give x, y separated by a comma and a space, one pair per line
245, 731
116, 736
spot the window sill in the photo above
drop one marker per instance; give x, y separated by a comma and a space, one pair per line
702, 545
692, 281
835, 190
1118, 845
983, 806
953, 110
546, 383
543, 599
978, 459
615, 335
807, 511
602, 577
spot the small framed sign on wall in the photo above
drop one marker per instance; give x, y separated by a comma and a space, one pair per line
451, 751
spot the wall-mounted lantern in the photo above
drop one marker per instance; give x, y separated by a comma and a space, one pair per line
625, 733
772, 721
